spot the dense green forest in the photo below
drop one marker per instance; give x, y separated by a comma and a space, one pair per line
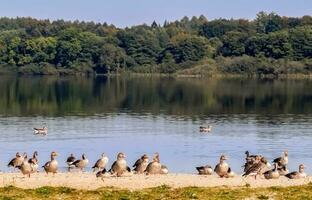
268, 45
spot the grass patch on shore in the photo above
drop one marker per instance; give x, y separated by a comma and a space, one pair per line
162, 192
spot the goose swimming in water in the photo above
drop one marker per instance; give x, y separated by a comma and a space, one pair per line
222, 167
100, 163
17, 161
42, 131
141, 164
119, 167
272, 174
154, 167
297, 174
82, 163
52, 165
204, 170
205, 128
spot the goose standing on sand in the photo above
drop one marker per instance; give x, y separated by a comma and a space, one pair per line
222, 167
70, 160
154, 167
34, 162
82, 163
141, 164
204, 170
205, 128
25, 167
17, 161
282, 161
273, 173
52, 165
119, 167
102, 174
297, 175
100, 163
42, 131
257, 168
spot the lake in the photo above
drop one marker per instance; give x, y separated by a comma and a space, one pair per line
147, 115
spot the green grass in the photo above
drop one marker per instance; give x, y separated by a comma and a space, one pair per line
162, 192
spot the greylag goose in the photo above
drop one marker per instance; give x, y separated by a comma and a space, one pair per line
297, 174
52, 165
34, 162
273, 173
26, 167
100, 163
42, 131
17, 161
70, 160
222, 167
141, 164
204, 170
257, 168
205, 128
154, 167
119, 167
282, 161
82, 163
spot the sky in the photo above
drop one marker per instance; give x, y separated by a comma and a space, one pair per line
124, 13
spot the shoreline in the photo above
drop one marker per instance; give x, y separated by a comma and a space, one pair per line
88, 181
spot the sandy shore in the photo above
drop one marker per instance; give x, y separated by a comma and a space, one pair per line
88, 181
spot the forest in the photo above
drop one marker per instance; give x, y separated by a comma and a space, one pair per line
268, 45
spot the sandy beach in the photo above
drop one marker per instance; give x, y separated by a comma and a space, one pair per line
88, 181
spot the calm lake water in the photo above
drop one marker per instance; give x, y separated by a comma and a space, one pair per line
147, 115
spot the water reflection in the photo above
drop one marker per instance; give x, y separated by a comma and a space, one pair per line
52, 96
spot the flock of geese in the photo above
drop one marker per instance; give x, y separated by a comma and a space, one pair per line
255, 165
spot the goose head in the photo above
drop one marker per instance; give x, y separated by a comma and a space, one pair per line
301, 168
223, 158
18, 154
53, 155
121, 156
285, 153
84, 157
145, 157
156, 157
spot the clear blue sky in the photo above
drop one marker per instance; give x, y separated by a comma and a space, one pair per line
131, 12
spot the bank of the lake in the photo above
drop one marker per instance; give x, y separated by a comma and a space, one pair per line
161, 192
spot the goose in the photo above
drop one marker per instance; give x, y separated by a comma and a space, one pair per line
102, 174
141, 164
43, 130
82, 163
154, 167
230, 173
26, 167
283, 160
164, 169
119, 167
272, 174
17, 161
52, 165
204, 170
222, 167
205, 128
282, 171
70, 161
34, 162
297, 174
100, 163
257, 168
